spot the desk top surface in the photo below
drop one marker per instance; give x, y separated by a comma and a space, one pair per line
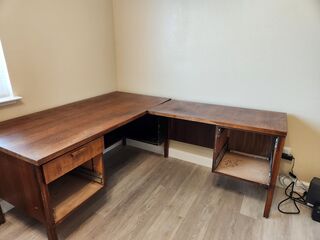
42, 136
267, 122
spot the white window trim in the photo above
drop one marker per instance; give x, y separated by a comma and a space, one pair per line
11, 98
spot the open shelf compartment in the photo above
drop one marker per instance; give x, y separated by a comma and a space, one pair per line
245, 167
71, 190
244, 155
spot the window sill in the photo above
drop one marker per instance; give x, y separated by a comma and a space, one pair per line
9, 100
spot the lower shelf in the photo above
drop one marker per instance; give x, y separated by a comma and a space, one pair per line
245, 167
69, 192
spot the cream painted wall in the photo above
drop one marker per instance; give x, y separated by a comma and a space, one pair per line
57, 51
257, 54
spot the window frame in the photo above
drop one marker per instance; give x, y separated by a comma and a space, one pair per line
10, 97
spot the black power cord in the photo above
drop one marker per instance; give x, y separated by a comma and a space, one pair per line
296, 199
292, 195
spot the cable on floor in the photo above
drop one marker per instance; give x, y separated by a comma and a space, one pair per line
292, 195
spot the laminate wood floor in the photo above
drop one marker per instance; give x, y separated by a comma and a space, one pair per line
150, 197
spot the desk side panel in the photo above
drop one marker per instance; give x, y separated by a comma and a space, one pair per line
19, 186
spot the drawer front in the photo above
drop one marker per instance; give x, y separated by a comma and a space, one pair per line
69, 161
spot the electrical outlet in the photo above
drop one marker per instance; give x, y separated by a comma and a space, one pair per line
287, 150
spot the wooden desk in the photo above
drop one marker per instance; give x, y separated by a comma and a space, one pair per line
247, 144
51, 161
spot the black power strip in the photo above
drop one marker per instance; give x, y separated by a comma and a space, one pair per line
287, 156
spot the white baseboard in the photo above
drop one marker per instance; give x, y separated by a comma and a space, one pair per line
190, 157
5, 206
117, 144
296, 188
145, 146
181, 151
174, 152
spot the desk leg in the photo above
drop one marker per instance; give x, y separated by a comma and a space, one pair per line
124, 141
166, 148
49, 219
274, 176
166, 140
2, 219
51, 233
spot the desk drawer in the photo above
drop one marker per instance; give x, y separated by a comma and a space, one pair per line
69, 161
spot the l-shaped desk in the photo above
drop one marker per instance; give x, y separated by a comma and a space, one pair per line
51, 161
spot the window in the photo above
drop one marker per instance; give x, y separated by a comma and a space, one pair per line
6, 94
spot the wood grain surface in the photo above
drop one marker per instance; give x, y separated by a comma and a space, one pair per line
65, 163
19, 186
267, 122
69, 192
42, 136
245, 167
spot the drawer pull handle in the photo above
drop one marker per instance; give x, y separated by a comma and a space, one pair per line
78, 152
